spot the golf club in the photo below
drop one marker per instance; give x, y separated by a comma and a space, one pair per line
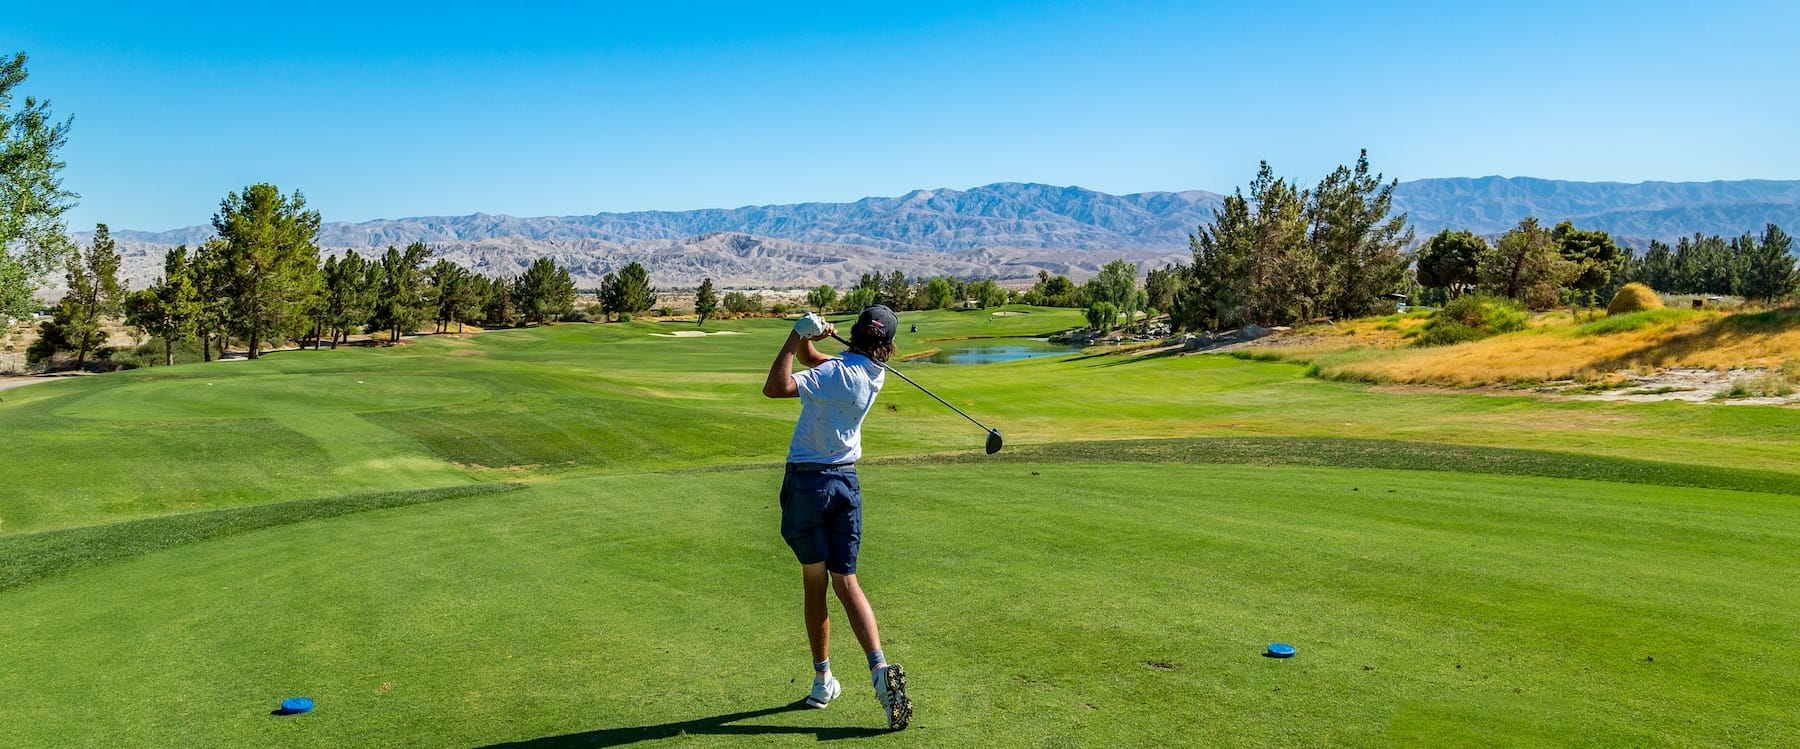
993, 435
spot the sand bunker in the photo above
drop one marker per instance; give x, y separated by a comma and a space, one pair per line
696, 333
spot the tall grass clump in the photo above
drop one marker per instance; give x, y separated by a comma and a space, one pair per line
1629, 321
1472, 317
1634, 297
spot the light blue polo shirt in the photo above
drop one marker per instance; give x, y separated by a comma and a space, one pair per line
834, 398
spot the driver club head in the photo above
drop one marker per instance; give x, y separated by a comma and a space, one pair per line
993, 441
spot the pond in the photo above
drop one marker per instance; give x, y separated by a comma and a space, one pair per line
991, 350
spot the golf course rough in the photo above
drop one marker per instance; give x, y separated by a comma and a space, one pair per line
1454, 570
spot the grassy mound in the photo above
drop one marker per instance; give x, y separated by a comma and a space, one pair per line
1626, 322
1472, 317
1634, 297
27, 558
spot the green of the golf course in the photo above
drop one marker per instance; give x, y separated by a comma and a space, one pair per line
566, 536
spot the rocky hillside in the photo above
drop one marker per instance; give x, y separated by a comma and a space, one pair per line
1006, 230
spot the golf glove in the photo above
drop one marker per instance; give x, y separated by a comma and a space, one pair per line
809, 326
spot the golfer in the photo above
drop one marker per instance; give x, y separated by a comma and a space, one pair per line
821, 501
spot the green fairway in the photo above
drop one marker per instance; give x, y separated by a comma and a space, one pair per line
566, 536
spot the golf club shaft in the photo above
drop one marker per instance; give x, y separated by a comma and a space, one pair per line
909, 380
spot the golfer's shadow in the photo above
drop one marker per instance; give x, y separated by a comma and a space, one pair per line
718, 725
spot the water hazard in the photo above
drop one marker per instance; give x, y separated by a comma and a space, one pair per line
992, 350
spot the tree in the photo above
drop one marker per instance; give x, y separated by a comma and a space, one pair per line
822, 298
1357, 243
706, 302
1053, 291
986, 293
859, 298
1449, 260
32, 199
635, 292
1593, 256
1116, 285
400, 304
269, 267
1101, 315
1526, 264
94, 294
1769, 268
451, 293
546, 291
1214, 293
349, 295
740, 303
170, 308
208, 270
500, 307
1161, 286
938, 293
1656, 268
895, 292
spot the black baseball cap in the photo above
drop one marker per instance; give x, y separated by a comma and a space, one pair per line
877, 324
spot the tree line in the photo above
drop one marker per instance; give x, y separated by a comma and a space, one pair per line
261, 282
1564, 265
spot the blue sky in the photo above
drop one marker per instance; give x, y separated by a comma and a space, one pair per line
384, 110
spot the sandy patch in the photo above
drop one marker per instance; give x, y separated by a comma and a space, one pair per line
696, 333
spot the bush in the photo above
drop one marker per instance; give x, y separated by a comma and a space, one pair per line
1448, 333
1634, 297
1472, 317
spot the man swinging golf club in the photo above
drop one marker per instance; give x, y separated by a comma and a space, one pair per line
821, 501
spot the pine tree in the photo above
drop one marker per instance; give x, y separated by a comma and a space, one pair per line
1358, 245
1770, 274
635, 292
546, 291
94, 294
400, 304
170, 308
269, 265
706, 302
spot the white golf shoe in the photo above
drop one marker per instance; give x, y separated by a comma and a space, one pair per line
823, 694
890, 688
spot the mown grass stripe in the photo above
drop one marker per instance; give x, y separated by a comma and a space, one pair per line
28, 558
1343, 452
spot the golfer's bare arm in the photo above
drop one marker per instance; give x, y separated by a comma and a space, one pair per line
781, 374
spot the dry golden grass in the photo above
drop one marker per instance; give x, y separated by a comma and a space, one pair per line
1557, 346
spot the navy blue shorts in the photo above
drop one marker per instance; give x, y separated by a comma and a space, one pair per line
821, 515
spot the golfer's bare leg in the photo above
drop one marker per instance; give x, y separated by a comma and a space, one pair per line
856, 607
818, 622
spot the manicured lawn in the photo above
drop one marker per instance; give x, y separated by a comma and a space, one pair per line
1455, 570
1118, 604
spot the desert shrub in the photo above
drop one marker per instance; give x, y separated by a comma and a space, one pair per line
1445, 334
1472, 317
1634, 297
576, 315
666, 312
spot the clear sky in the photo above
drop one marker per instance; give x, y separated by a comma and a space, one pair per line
378, 110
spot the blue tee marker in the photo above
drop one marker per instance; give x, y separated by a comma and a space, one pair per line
1279, 650
295, 706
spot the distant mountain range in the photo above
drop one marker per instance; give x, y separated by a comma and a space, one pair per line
1006, 230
